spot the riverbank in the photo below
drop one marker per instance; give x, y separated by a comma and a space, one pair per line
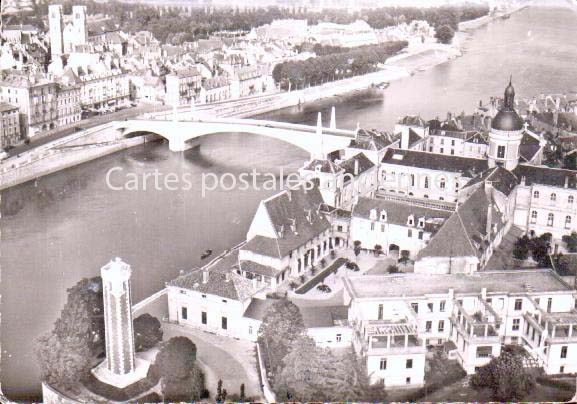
102, 140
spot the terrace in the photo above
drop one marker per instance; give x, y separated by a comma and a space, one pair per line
387, 336
555, 327
480, 326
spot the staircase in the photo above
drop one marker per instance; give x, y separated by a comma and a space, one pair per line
502, 257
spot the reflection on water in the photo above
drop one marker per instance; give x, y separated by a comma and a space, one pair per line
67, 225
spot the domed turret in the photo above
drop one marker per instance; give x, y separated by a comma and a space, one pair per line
506, 133
507, 118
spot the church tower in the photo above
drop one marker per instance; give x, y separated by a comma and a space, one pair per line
506, 133
55, 25
79, 22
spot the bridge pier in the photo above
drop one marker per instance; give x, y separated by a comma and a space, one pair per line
176, 144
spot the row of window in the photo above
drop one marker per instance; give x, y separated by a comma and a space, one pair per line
551, 219
204, 318
415, 306
408, 365
553, 197
440, 326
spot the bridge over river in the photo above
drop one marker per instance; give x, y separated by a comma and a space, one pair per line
317, 140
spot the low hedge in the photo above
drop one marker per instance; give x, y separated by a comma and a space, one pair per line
129, 392
556, 383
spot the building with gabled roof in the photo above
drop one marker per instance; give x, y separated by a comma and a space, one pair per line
288, 234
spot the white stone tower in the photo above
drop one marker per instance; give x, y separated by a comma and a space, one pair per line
79, 22
118, 317
506, 133
55, 25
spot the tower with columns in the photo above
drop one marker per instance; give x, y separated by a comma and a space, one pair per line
120, 368
118, 317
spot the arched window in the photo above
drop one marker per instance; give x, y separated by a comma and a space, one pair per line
570, 199
534, 216
536, 195
553, 197
550, 219
567, 222
442, 184
426, 196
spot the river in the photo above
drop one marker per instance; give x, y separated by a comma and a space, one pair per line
69, 224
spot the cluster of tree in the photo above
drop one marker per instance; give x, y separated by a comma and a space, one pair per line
506, 376
74, 346
444, 34
304, 372
314, 71
537, 247
173, 24
181, 378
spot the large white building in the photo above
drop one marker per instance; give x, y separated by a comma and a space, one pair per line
397, 316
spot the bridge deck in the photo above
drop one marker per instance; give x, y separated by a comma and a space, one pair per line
258, 122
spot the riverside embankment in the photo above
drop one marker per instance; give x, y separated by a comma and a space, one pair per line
103, 140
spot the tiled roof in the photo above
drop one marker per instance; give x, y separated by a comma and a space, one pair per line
363, 164
216, 82
546, 176
258, 308
323, 316
477, 138
464, 233
399, 212
237, 287
412, 120
529, 147
259, 269
501, 179
101, 27
371, 140
297, 208
432, 161
415, 285
325, 166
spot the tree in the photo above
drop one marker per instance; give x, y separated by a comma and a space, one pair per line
540, 247
521, 249
176, 358
83, 315
147, 332
63, 361
281, 325
357, 247
220, 393
445, 34
405, 254
571, 242
188, 389
393, 269
506, 376
378, 249
242, 393
310, 373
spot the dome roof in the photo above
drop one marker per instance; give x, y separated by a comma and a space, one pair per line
507, 120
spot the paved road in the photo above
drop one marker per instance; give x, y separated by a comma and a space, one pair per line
88, 123
224, 358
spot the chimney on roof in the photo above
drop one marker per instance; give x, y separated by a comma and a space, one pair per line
451, 293
566, 181
356, 169
227, 276
489, 225
289, 195
484, 293
523, 180
204, 276
293, 225
254, 282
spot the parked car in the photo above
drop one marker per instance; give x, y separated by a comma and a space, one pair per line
324, 288
78, 128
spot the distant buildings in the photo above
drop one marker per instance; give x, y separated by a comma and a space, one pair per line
358, 33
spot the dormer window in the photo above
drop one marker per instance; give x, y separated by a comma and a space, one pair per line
373, 214
421, 222
318, 168
411, 221
553, 197
383, 216
536, 195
